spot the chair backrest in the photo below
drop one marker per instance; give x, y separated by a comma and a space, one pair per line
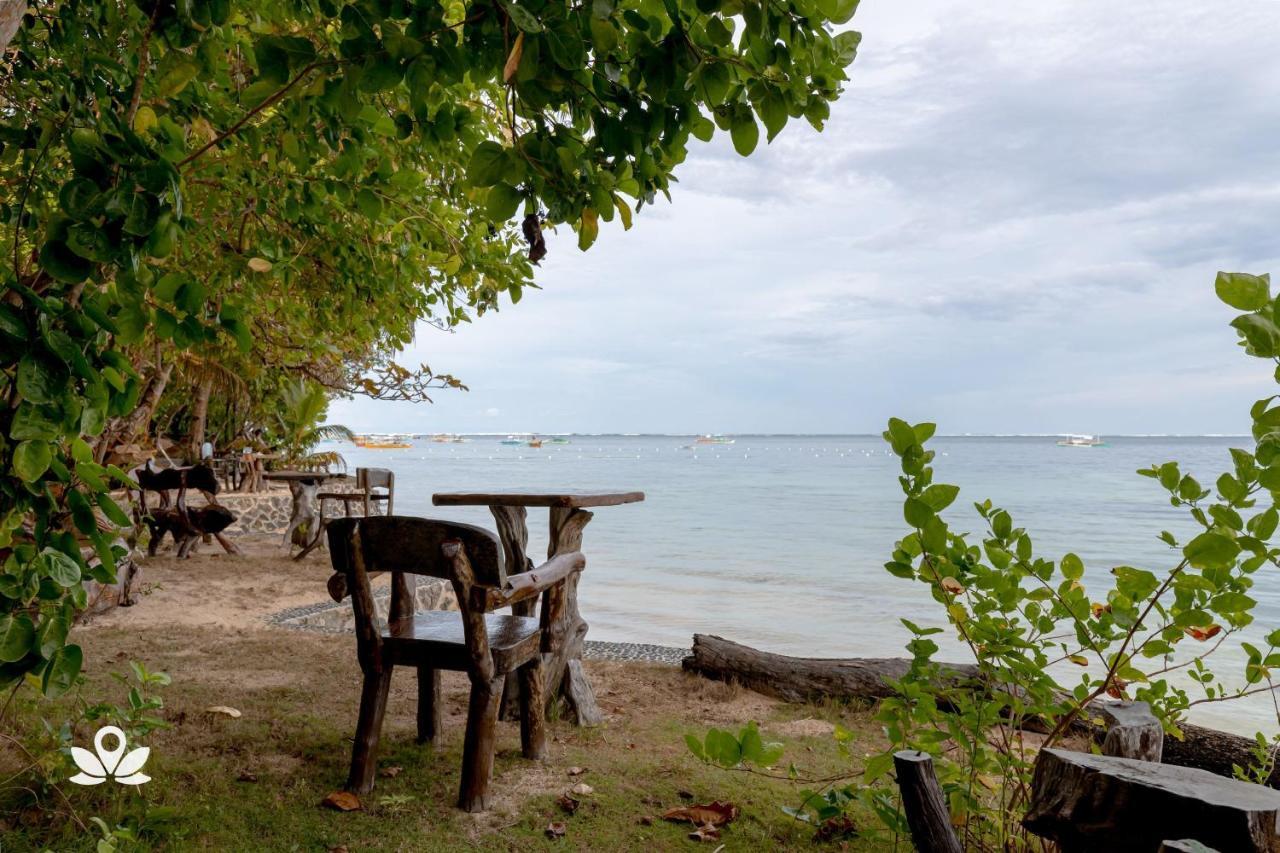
398, 543
368, 479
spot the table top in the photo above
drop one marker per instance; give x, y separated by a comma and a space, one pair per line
563, 500
302, 476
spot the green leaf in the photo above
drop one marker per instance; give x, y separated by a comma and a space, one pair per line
522, 17
695, 746
369, 203
17, 633
33, 421
1260, 333
1243, 291
51, 636
174, 71
939, 496
62, 670
744, 132
917, 512
588, 228
31, 459
901, 436
60, 568
503, 202
41, 379
1072, 567
490, 162
723, 748
1211, 550
112, 510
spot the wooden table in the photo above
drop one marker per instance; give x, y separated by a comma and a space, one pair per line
303, 487
562, 667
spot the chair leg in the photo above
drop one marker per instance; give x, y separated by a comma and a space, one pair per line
533, 725
477, 750
364, 753
430, 705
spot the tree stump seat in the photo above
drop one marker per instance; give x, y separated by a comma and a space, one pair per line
1102, 803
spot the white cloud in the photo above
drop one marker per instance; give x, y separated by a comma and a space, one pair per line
1011, 223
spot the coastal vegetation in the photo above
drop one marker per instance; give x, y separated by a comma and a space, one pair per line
1050, 637
208, 203
216, 211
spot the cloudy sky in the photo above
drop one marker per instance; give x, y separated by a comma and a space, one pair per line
1011, 224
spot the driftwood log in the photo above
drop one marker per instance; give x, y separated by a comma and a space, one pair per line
1100, 803
924, 803
803, 679
867, 679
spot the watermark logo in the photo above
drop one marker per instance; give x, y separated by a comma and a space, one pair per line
114, 763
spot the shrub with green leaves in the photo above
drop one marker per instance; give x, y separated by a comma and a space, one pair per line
1049, 641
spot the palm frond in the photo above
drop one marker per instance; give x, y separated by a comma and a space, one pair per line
333, 432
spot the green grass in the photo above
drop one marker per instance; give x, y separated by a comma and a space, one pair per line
298, 694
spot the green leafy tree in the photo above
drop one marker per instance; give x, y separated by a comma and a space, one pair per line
1050, 638
296, 184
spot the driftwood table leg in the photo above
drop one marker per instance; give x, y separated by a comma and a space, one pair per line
563, 666
513, 531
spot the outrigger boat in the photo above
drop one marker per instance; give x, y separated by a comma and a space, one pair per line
388, 442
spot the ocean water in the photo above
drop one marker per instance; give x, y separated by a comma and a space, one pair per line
779, 541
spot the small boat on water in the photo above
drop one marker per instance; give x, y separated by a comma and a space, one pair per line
513, 440
712, 439
535, 442
383, 442
1082, 441
557, 441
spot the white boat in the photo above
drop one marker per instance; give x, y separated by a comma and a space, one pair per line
1082, 441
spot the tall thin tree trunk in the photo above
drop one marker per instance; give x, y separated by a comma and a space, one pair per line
200, 416
125, 429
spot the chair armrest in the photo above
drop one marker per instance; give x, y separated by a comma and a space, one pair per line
533, 582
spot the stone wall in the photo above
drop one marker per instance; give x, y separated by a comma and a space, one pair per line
268, 512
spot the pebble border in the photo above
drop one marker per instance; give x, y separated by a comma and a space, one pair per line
594, 649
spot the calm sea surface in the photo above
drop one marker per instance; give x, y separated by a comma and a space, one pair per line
779, 541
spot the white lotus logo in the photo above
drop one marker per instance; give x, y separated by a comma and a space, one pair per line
110, 763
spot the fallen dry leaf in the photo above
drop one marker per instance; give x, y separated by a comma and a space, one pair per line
390, 772
1203, 634
714, 813
706, 832
247, 776
222, 709
577, 771
513, 60
555, 829
259, 265
568, 803
836, 829
582, 789
343, 801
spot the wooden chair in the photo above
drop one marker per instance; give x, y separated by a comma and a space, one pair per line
471, 640
367, 479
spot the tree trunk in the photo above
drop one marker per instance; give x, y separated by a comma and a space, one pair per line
123, 430
1095, 803
11, 12
200, 417
803, 679
867, 679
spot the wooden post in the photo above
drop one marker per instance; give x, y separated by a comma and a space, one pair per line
1132, 731
430, 705
570, 631
924, 804
513, 531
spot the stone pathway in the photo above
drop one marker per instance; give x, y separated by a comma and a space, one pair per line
326, 617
